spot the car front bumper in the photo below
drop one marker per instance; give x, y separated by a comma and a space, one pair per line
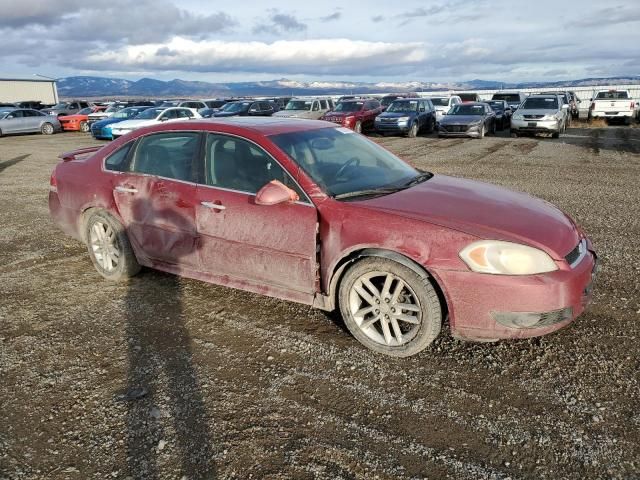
491, 307
459, 131
392, 127
102, 133
535, 126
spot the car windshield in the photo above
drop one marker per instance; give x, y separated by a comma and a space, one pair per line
468, 97
113, 108
149, 114
386, 101
299, 105
342, 162
349, 107
440, 101
60, 105
126, 113
235, 107
4, 113
508, 97
496, 105
85, 111
461, 109
403, 106
544, 103
612, 95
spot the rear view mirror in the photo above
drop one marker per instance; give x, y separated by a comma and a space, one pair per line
274, 193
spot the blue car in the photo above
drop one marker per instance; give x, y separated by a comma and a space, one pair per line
102, 129
407, 116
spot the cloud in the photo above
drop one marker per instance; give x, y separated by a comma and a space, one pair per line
330, 18
280, 23
312, 57
610, 16
143, 21
377, 18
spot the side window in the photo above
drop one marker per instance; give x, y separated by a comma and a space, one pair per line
169, 114
169, 155
316, 106
32, 113
118, 161
16, 114
324, 104
237, 164
375, 104
421, 107
184, 113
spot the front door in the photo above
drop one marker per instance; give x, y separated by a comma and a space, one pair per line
156, 198
273, 248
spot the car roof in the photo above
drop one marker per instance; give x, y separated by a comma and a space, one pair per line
244, 125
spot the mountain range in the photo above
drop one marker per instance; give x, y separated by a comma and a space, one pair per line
86, 86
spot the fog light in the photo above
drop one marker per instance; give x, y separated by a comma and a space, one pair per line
532, 319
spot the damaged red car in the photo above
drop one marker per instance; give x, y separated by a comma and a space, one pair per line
314, 213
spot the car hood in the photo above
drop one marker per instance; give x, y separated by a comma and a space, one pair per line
226, 114
537, 111
298, 114
136, 123
460, 119
73, 117
396, 114
109, 121
485, 211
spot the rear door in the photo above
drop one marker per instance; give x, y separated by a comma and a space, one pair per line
15, 122
271, 248
156, 197
32, 119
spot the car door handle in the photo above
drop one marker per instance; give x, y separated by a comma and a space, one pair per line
122, 189
213, 205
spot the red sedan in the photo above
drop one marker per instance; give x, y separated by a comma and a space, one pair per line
314, 213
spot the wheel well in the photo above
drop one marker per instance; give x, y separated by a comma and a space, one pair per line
344, 263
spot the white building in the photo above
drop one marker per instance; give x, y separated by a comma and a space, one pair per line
28, 89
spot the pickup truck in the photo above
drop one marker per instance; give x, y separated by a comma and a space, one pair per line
612, 104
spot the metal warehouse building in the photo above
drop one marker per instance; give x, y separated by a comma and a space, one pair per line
19, 90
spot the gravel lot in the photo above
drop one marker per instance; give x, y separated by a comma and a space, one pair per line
172, 378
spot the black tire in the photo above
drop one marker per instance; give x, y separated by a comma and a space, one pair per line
84, 127
432, 125
127, 265
514, 134
413, 131
493, 127
47, 129
481, 131
419, 287
555, 135
627, 120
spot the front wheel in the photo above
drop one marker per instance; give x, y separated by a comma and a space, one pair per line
84, 127
413, 131
389, 308
358, 127
481, 131
109, 247
47, 129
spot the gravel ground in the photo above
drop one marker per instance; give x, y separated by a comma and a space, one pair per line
172, 378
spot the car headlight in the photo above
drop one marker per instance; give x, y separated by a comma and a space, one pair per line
506, 258
518, 116
403, 119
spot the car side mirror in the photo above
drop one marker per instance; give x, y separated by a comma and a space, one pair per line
163, 119
274, 193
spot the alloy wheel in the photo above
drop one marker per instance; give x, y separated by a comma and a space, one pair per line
385, 308
103, 243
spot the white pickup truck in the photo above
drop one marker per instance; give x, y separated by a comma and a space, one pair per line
616, 104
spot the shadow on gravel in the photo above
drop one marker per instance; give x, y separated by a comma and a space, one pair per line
162, 382
12, 162
616, 138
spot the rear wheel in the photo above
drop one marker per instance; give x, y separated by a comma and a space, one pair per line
432, 125
47, 128
84, 127
389, 308
109, 247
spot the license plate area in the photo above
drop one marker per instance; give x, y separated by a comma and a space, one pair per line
532, 124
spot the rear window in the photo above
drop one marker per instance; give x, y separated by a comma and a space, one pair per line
508, 97
612, 95
468, 97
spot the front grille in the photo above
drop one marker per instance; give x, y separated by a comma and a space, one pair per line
574, 255
533, 117
335, 119
388, 120
455, 128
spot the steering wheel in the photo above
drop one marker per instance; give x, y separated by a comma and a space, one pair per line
352, 162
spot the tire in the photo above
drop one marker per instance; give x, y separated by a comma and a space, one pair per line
101, 232
514, 134
555, 135
404, 331
413, 131
493, 128
432, 125
47, 129
481, 131
84, 127
627, 120
358, 127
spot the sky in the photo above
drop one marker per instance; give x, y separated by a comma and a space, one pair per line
373, 41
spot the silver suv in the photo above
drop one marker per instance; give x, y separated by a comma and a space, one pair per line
539, 114
306, 107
